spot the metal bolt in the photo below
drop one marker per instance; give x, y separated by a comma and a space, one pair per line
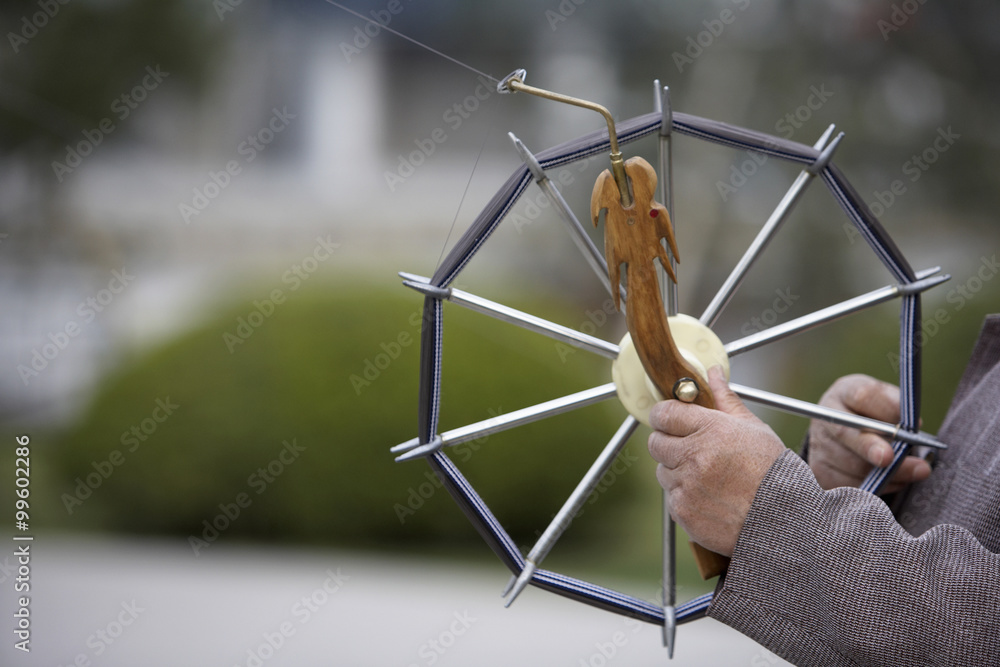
686, 390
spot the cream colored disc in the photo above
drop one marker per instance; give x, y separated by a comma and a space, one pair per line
699, 346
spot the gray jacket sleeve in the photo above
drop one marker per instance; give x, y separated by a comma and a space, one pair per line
830, 578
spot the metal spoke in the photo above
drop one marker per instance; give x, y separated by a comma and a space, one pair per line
835, 311
571, 507
668, 288
805, 409
512, 315
595, 258
770, 228
661, 104
557, 406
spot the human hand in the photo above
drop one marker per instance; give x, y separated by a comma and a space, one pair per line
711, 463
843, 456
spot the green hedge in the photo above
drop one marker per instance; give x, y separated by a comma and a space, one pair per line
333, 372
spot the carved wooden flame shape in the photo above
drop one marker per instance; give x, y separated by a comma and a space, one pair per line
632, 237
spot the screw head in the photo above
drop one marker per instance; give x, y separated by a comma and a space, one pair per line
686, 390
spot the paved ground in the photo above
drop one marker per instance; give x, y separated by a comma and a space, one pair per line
135, 604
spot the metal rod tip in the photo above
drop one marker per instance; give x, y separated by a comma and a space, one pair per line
666, 112
669, 630
923, 284
429, 290
404, 446
528, 158
825, 156
825, 137
423, 450
522, 582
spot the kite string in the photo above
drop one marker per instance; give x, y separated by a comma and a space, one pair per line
410, 39
468, 183
457, 62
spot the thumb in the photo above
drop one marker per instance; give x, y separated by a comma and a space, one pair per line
725, 399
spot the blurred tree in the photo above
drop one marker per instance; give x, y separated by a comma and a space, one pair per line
63, 66
70, 73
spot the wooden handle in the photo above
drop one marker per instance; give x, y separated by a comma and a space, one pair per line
632, 238
710, 564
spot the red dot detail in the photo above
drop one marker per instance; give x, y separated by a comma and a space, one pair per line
653, 213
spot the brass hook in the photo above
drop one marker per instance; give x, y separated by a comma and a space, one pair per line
514, 82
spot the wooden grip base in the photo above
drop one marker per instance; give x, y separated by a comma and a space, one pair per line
710, 564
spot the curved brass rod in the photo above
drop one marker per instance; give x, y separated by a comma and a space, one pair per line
617, 164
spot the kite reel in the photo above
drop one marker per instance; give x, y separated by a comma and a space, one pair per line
665, 354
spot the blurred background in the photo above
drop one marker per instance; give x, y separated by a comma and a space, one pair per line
203, 208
